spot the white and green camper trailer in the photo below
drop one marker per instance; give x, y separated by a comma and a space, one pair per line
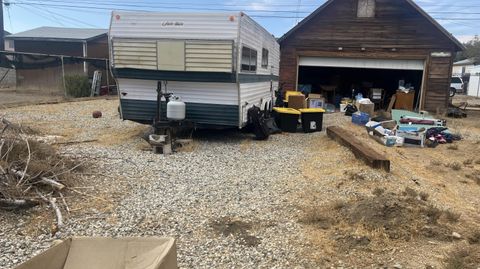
219, 64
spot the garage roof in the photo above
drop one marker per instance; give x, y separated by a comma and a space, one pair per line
59, 34
415, 6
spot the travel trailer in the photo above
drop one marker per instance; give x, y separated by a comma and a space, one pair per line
219, 64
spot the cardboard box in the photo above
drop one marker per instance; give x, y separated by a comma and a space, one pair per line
367, 108
107, 253
297, 101
315, 96
412, 139
316, 102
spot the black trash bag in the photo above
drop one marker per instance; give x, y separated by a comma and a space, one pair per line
272, 126
257, 119
350, 109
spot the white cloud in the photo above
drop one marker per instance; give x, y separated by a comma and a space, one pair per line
262, 5
465, 38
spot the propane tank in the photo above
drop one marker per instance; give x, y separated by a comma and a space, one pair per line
176, 109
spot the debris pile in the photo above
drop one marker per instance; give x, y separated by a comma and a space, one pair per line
31, 172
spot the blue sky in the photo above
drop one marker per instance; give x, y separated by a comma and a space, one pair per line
460, 17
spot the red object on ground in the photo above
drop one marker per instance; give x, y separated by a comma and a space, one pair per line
97, 114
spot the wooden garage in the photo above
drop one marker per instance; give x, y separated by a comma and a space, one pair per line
347, 47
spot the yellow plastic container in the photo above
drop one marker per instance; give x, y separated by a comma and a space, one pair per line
286, 118
312, 119
312, 110
284, 110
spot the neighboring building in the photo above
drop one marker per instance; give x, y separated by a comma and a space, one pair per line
88, 43
7, 76
464, 67
473, 88
358, 45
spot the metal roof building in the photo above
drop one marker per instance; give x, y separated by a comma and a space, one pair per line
59, 34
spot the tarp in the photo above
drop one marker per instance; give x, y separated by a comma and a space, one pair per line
107, 253
16, 60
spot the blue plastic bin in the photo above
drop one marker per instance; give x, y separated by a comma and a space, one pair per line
360, 118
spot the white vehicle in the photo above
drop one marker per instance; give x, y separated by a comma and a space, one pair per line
456, 85
219, 64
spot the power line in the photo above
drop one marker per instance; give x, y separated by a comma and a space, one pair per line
9, 18
40, 15
78, 22
89, 7
298, 10
100, 5
51, 14
188, 3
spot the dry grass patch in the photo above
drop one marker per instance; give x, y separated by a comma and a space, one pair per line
370, 222
451, 217
456, 166
474, 238
463, 258
475, 176
378, 191
452, 147
355, 175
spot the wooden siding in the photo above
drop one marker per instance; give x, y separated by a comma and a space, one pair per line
397, 31
438, 83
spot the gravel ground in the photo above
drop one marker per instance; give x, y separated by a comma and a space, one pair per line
233, 202
227, 181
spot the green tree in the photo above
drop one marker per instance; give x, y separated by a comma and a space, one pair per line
472, 50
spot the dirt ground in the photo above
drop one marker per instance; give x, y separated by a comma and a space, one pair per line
409, 216
11, 97
424, 214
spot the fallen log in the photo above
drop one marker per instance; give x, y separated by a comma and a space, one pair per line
58, 213
76, 142
360, 150
17, 203
43, 180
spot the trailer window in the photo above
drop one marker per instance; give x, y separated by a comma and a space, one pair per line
264, 58
249, 59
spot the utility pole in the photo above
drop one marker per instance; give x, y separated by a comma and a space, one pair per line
2, 30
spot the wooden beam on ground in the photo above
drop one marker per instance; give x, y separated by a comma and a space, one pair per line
369, 155
392, 103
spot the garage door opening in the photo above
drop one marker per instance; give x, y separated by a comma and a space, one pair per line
347, 77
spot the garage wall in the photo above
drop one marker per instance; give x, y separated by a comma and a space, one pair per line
397, 31
438, 83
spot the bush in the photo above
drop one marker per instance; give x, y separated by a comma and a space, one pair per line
77, 86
